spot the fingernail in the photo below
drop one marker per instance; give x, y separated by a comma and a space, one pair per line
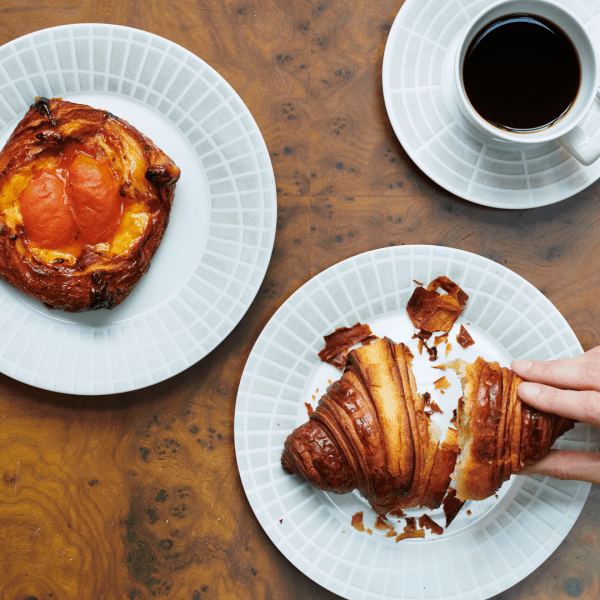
529, 391
521, 365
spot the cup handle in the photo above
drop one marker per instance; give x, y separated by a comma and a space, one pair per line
584, 148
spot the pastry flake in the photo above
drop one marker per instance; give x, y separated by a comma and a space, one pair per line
464, 337
431, 311
338, 343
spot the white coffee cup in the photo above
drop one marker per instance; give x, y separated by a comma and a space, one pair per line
569, 129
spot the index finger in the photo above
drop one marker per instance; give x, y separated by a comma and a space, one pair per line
576, 373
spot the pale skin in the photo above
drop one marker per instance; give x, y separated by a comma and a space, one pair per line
569, 387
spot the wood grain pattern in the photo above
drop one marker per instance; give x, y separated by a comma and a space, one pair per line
137, 496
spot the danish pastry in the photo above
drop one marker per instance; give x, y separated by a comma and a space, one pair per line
84, 202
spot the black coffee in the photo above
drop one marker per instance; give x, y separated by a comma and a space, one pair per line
521, 73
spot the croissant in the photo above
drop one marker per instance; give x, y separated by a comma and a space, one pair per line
370, 433
84, 202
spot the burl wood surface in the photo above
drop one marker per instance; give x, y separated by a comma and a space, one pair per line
137, 496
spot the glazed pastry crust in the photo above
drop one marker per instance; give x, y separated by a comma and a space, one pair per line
87, 276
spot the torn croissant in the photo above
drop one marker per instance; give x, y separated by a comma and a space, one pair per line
370, 432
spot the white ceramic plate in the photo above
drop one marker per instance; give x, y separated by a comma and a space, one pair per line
441, 146
219, 240
480, 554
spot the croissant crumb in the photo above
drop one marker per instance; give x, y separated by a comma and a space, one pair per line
464, 338
338, 343
431, 311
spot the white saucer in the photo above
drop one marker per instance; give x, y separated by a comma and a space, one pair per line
440, 145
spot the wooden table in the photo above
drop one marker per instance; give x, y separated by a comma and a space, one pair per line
137, 495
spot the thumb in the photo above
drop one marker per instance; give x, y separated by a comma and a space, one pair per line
567, 464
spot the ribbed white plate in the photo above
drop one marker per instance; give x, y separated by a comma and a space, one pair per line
480, 554
439, 144
219, 240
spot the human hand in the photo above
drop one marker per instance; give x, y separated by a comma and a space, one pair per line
568, 387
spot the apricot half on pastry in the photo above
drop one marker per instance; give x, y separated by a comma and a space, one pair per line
84, 202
